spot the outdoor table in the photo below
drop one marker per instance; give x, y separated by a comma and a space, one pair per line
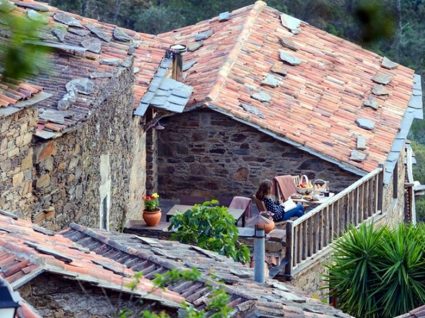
238, 214
322, 200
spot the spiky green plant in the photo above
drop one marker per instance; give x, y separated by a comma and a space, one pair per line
401, 269
379, 272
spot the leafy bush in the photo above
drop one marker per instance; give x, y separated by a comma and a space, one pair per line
20, 56
379, 272
210, 227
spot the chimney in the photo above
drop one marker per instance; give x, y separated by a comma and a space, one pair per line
176, 51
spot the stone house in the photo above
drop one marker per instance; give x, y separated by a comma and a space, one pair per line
273, 95
263, 94
63, 274
78, 155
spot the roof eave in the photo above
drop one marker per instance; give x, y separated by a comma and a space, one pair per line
413, 111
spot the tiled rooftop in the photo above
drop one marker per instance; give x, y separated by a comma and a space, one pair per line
109, 260
273, 299
297, 83
27, 250
88, 50
11, 94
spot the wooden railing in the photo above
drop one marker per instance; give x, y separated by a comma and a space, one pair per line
310, 234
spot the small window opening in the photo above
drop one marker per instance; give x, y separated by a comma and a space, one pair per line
104, 224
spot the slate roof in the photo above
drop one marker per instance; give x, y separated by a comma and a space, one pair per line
273, 299
90, 51
164, 92
26, 251
298, 84
414, 313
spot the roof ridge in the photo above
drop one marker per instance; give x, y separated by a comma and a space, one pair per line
232, 56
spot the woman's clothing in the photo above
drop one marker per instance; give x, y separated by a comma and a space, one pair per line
279, 213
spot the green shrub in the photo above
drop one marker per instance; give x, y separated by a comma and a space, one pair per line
20, 56
210, 227
379, 272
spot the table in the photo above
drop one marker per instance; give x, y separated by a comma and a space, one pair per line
238, 214
322, 200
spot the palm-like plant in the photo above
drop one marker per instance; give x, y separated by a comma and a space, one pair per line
379, 272
401, 269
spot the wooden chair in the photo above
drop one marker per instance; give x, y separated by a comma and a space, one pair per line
242, 203
290, 188
260, 204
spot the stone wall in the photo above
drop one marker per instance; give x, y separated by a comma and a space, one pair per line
152, 161
205, 154
394, 206
55, 297
87, 172
138, 171
312, 279
16, 153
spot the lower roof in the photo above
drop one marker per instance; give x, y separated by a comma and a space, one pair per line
248, 298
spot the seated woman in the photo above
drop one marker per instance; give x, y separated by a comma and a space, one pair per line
277, 210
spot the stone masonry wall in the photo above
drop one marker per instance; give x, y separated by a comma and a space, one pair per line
394, 207
206, 154
152, 161
75, 169
16, 133
55, 297
138, 171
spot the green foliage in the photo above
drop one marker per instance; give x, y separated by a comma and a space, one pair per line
151, 202
375, 21
156, 20
136, 281
420, 209
419, 168
379, 272
174, 276
19, 55
217, 306
211, 227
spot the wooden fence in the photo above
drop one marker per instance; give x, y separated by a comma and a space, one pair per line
313, 232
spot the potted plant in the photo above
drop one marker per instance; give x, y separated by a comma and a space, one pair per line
152, 212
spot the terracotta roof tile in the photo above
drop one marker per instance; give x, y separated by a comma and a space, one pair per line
24, 252
146, 50
316, 103
272, 299
10, 94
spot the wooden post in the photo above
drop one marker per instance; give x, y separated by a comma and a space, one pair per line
304, 240
289, 248
381, 188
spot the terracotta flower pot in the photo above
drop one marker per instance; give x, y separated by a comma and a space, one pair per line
152, 218
265, 223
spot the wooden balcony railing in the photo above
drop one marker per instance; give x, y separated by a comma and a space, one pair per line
310, 234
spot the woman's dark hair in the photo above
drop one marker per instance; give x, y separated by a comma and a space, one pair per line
264, 189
